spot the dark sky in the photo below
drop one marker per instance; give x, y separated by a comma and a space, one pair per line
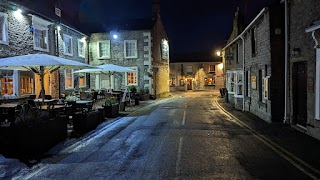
191, 25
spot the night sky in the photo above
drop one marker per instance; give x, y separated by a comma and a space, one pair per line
195, 25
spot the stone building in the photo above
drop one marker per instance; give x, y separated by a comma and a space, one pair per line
303, 95
24, 31
196, 72
254, 65
142, 46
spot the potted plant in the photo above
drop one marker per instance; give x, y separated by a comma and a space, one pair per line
111, 106
143, 95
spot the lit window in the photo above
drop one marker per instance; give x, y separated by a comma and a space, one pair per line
81, 48
238, 83
209, 81
131, 77
212, 68
82, 80
67, 45
68, 79
104, 49
40, 34
130, 49
3, 29
7, 82
26, 83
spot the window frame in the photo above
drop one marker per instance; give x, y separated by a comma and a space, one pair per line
214, 68
107, 56
187, 69
134, 50
41, 25
65, 78
84, 76
136, 76
81, 54
65, 38
4, 39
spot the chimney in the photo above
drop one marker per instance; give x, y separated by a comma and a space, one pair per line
155, 8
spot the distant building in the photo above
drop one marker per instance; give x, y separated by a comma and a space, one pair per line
196, 71
141, 45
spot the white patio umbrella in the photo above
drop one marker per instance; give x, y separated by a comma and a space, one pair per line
38, 63
106, 68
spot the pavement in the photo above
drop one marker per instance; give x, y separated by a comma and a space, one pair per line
304, 149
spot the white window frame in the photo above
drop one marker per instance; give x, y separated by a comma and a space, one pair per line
67, 38
214, 69
230, 82
126, 77
266, 84
84, 75
238, 82
135, 50
72, 79
4, 39
107, 56
42, 25
81, 51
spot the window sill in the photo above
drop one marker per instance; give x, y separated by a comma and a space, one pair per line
67, 54
40, 49
262, 104
4, 42
238, 96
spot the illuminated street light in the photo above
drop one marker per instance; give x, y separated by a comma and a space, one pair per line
218, 53
115, 36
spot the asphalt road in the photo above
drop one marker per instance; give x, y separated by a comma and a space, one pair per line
186, 136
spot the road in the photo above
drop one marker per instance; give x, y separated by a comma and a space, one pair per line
186, 136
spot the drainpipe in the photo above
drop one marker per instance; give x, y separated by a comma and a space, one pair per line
285, 120
243, 73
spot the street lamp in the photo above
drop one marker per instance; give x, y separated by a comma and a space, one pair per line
218, 53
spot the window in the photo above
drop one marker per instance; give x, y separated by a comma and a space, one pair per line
130, 49
104, 50
262, 85
235, 83
238, 83
68, 79
212, 68
173, 82
131, 77
253, 41
209, 81
181, 82
26, 83
7, 82
248, 83
189, 70
3, 29
82, 80
266, 88
67, 45
238, 52
81, 48
40, 34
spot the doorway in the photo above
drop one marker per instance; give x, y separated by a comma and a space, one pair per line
300, 93
47, 84
189, 84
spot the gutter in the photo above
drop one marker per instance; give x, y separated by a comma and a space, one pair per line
285, 118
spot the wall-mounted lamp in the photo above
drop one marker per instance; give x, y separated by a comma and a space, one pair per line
114, 34
58, 28
296, 52
18, 14
218, 53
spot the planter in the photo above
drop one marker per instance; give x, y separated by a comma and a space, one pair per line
122, 105
31, 141
144, 97
85, 122
111, 111
102, 114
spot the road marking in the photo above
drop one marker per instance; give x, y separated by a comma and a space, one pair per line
272, 145
178, 169
184, 118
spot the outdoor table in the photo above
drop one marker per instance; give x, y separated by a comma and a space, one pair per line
46, 101
82, 104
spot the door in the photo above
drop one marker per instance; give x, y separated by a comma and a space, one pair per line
189, 84
47, 84
300, 93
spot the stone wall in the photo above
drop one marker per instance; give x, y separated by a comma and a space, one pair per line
301, 17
